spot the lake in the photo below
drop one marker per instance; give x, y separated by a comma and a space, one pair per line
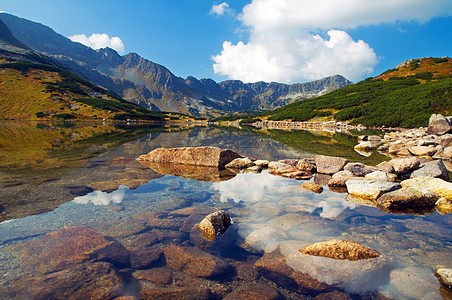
81, 218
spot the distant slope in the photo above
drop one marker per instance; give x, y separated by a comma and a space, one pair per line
405, 96
153, 86
37, 91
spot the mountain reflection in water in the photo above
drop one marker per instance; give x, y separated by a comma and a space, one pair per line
133, 213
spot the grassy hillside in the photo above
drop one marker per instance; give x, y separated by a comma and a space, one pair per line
405, 96
37, 91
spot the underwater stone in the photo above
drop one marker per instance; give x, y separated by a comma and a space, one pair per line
214, 223
340, 249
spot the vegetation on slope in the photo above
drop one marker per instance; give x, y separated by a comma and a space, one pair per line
405, 96
38, 91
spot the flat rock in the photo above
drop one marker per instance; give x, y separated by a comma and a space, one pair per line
240, 163
340, 178
422, 151
67, 247
380, 175
276, 165
438, 124
340, 249
287, 221
435, 168
405, 165
196, 156
85, 281
370, 189
329, 164
313, 187
437, 186
261, 163
406, 198
194, 262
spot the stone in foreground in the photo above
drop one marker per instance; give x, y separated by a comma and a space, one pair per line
434, 168
438, 124
329, 164
195, 156
340, 249
370, 189
437, 186
406, 198
214, 224
445, 276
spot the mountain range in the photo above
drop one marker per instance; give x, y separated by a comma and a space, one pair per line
149, 84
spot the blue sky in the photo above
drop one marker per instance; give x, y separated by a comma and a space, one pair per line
270, 40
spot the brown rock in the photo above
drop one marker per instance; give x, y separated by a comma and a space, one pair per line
253, 291
194, 262
403, 199
145, 257
359, 169
240, 163
422, 151
321, 179
305, 165
214, 224
67, 247
170, 293
157, 275
245, 271
385, 167
340, 178
196, 156
405, 165
329, 164
340, 249
443, 206
84, 281
274, 267
336, 295
126, 228
299, 175
283, 170
313, 187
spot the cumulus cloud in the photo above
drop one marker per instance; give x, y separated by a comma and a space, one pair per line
103, 198
99, 40
285, 45
220, 9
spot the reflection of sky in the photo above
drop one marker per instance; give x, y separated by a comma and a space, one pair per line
103, 198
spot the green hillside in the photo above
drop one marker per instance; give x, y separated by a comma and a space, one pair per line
404, 96
44, 92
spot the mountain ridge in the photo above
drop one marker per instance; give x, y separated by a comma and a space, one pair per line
154, 86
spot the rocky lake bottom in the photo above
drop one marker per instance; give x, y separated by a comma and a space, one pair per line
101, 224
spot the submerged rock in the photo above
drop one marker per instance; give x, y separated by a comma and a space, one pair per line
445, 276
340, 249
313, 187
443, 206
195, 156
214, 224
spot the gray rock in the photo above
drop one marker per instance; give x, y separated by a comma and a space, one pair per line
447, 153
240, 163
359, 169
437, 186
445, 140
380, 175
370, 189
438, 124
276, 165
329, 164
385, 167
422, 151
403, 199
341, 177
435, 169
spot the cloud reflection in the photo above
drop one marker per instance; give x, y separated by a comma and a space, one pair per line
103, 198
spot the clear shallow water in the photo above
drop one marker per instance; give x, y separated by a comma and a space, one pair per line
120, 199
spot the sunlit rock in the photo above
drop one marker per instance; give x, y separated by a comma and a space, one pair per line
214, 224
434, 168
261, 163
406, 198
340, 249
240, 163
405, 165
422, 150
364, 146
370, 189
379, 175
443, 206
385, 166
196, 156
340, 178
445, 276
438, 124
306, 165
287, 221
313, 187
437, 186
359, 169
329, 164
194, 262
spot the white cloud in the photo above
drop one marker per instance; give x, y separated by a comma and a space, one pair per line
283, 46
220, 9
103, 198
99, 40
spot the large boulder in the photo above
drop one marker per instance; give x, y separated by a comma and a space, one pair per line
405, 165
435, 169
438, 124
340, 249
403, 199
329, 164
370, 189
437, 186
195, 156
